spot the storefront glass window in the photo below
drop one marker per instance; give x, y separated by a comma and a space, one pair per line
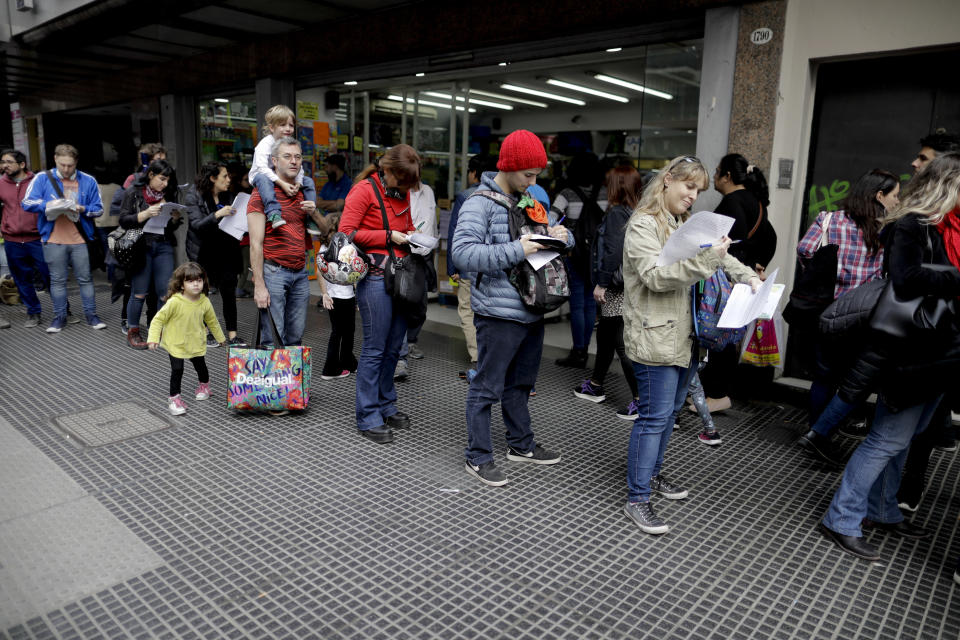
228, 129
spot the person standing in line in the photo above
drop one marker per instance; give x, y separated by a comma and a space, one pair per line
65, 240
745, 199
21, 239
333, 195
277, 255
509, 336
624, 188
659, 325
180, 326
340, 300
281, 123
933, 145
381, 190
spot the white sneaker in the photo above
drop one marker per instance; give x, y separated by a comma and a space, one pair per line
176, 406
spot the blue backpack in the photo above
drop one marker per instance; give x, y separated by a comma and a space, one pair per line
713, 295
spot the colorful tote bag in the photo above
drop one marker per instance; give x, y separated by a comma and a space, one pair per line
268, 378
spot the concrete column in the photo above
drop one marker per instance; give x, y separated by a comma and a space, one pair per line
178, 130
721, 27
271, 91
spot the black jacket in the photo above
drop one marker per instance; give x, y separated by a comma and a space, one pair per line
134, 202
913, 370
744, 208
215, 250
610, 245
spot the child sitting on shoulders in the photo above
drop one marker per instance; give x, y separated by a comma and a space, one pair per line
281, 123
180, 327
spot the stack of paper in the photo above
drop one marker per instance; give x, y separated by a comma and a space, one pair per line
744, 306
703, 227
236, 223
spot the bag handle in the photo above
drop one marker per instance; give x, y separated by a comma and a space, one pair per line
383, 212
759, 219
277, 342
824, 229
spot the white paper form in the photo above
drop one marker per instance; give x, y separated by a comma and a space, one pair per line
540, 258
236, 224
157, 223
703, 227
743, 306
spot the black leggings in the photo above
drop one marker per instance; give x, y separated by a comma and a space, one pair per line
176, 372
610, 339
340, 348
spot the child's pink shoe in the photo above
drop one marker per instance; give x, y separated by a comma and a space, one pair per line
203, 391
176, 405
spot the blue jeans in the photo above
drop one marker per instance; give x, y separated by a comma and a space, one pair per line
871, 479
58, 256
269, 197
384, 329
155, 273
583, 308
508, 361
832, 415
662, 391
25, 260
289, 297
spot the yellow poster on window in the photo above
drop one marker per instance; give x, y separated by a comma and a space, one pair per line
308, 111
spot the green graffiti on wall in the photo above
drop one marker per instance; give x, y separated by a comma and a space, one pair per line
829, 198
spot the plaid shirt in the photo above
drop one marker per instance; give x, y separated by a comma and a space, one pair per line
855, 265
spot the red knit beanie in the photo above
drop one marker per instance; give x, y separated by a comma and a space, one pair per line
521, 150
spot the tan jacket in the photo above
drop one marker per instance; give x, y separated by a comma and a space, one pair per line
657, 314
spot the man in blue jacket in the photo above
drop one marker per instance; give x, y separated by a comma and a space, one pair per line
509, 336
64, 239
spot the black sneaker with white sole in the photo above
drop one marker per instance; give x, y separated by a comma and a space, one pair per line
539, 455
667, 489
642, 514
487, 473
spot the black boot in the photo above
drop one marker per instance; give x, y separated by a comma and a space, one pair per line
576, 358
821, 448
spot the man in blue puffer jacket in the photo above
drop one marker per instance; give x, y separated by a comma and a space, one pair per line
509, 336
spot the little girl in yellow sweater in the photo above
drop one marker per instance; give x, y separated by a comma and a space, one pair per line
180, 326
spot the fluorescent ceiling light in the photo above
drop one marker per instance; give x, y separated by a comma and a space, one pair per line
543, 94
350, 83
500, 96
614, 49
420, 75
486, 103
582, 89
502, 64
427, 103
633, 85
221, 100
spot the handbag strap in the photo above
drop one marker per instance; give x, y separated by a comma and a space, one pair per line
56, 187
277, 342
824, 229
759, 219
383, 211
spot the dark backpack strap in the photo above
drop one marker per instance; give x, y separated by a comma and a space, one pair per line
383, 211
502, 199
54, 183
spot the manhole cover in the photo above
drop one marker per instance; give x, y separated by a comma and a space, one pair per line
109, 424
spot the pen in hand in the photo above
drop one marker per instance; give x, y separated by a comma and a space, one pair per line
710, 244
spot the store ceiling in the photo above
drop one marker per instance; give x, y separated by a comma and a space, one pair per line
114, 35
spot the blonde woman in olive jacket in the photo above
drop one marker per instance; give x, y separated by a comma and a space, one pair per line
658, 326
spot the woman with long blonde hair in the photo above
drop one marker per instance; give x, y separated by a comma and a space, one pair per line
659, 326
921, 257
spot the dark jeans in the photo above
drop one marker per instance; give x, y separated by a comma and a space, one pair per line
340, 347
176, 372
26, 262
662, 392
226, 284
610, 340
508, 361
717, 377
583, 308
383, 330
154, 276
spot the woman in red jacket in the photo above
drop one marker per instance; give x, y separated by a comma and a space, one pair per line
384, 325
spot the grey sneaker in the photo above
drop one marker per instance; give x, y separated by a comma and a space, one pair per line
539, 455
32, 320
642, 513
414, 352
663, 486
402, 370
487, 473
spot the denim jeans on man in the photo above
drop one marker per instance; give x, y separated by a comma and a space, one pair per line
508, 361
58, 256
289, 297
583, 308
155, 275
384, 329
26, 260
871, 478
662, 391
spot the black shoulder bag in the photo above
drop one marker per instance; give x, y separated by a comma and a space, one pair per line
94, 247
405, 279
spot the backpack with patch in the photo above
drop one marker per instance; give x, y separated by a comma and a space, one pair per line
541, 290
586, 231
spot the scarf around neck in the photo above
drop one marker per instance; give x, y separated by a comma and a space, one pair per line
151, 196
949, 229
